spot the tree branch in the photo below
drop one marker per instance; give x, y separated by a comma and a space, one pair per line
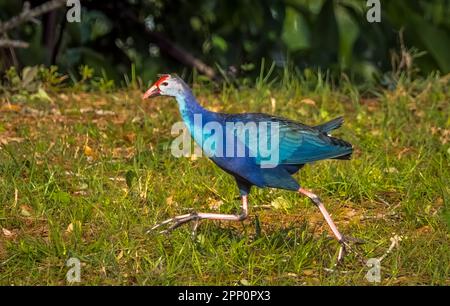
29, 14
181, 55
9, 43
122, 12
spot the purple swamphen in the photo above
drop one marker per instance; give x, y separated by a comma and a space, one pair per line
296, 145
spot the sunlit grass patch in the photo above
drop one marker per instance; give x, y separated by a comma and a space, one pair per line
86, 175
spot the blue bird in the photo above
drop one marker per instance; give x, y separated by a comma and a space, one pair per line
256, 149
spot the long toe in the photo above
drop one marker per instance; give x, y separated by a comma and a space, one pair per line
350, 239
178, 222
349, 246
174, 222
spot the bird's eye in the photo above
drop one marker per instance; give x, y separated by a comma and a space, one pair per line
165, 84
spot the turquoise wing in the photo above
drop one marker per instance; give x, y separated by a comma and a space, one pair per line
280, 141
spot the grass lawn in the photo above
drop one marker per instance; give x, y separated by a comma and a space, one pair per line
86, 174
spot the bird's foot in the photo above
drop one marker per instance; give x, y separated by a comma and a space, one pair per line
347, 243
177, 221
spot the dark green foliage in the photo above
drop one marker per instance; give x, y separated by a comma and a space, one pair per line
115, 36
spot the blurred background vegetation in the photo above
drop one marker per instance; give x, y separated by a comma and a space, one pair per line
120, 40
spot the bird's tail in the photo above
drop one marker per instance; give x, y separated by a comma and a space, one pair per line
344, 157
347, 153
330, 125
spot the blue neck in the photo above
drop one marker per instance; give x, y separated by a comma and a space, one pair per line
189, 108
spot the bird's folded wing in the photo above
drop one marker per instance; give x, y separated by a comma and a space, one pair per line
310, 146
288, 142
294, 145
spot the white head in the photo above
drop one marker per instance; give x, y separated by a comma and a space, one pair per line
167, 85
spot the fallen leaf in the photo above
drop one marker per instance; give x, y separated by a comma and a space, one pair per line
215, 204
130, 137
402, 152
169, 201
6, 140
424, 230
7, 232
391, 170
350, 213
245, 282
376, 132
55, 111
80, 192
101, 112
25, 210
10, 108
69, 228
83, 186
88, 151
32, 111
308, 272
64, 97
137, 120
120, 255
420, 113
280, 203
101, 101
86, 110
308, 102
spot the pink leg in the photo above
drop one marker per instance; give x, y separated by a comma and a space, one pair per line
323, 210
316, 200
182, 219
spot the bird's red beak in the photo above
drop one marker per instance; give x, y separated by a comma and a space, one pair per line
152, 92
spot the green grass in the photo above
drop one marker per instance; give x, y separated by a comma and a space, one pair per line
76, 183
